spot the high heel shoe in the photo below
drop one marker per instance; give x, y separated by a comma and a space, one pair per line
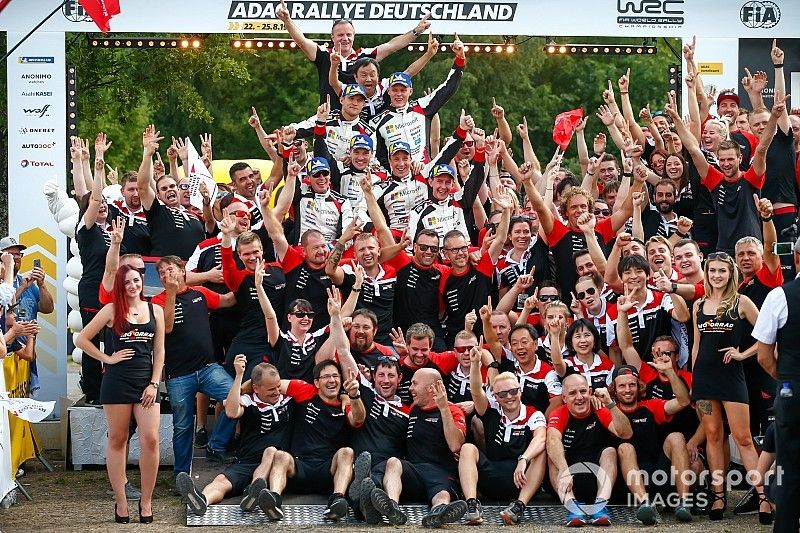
717, 514
120, 519
142, 518
764, 518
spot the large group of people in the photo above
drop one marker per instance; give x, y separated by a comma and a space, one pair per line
394, 314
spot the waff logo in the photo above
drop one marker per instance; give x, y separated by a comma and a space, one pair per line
650, 12
25, 163
760, 14
74, 12
37, 112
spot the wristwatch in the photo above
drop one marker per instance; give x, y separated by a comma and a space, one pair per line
674, 287
493, 364
154, 384
522, 458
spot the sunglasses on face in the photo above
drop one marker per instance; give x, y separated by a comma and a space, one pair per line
667, 353
507, 393
241, 214
298, 143
304, 314
184, 186
548, 298
428, 247
469, 144
604, 212
588, 292
463, 349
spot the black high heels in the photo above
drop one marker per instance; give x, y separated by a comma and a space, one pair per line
120, 519
717, 514
142, 518
764, 518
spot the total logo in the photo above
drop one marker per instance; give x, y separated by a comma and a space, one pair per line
25, 163
38, 146
30, 131
37, 112
43, 94
760, 14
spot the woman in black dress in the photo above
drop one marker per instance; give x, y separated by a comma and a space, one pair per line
718, 377
130, 383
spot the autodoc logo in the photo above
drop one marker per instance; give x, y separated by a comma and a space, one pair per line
38, 112
760, 14
31, 131
650, 12
36, 59
74, 12
38, 146
25, 163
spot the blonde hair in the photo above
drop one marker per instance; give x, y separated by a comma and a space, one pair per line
510, 376
560, 305
730, 294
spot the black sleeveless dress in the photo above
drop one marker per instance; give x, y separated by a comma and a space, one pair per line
712, 379
125, 382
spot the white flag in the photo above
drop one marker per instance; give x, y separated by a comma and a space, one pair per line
27, 409
197, 174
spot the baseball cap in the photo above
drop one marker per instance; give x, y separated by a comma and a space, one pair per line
728, 95
10, 242
362, 141
354, 89
400, 78
399, 146
442, 168
317, 165
625, 370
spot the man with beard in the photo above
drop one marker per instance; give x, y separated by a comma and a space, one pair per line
129, 207
361, 335
661, 219
173, 231
245, 182
416, 351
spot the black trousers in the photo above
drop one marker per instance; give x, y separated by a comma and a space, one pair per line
787, 441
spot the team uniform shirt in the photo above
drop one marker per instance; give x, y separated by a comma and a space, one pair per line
544, 350
507, 439
322, 60
411, 124
253, 209
652, 321
416, 295
425, 441
509, 269
457, 385
444, 362
564, 241
736, 213
397, 198
645, 419
93, 243
295, 357
336, 132
376, 103
370, 356
326, 212
655, 223
264, 425
305, 282
384, 430
173, 230
747, 145
582, 437
598, 374
188, 347
377, 295
320, 428
658, 387
136, 239
538, 385
465, 292
601, 322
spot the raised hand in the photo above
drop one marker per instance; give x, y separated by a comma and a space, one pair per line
605, 115
626, 301
282, 12
336, 56
497, 111
259, 273
150, 139
624, 82
117, 230
433, 45
522, 129
688, 50
779, 105
457, 47
228, 225
608, 94
351, 384
334, 301
439, 394
183, 148
324, 110
254, 121
685, 224
398, 341
603, 395
424, 23
478, 135
763, 206
776, 53
587, 222
466, 122
239, 364
582, 124
101, 145
205, 145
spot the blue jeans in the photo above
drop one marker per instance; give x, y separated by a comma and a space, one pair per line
212, 380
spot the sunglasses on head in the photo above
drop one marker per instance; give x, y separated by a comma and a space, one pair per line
590, 292
428, 247
386, 360
520, 218
303, 314
184, 186
719, 255
604, 212
548, 298
506, 393
241, 214
462, 349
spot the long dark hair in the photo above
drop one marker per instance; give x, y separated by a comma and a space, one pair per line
120, 299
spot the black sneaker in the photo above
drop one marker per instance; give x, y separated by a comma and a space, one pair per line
270, 503
361, 470
388, 507
368, 511
248, 503
201, 437
748, 504
187, 490
445, 514
337, 508
512, 514
221, 457
474, 514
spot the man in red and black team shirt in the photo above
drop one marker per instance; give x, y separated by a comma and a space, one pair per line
580, 433
416, 351
129, 207
436, 431
514, 462
189, 366
265, 419
245, 182
565, 239
646, 451
319, 460
762, 272
365, 350
251, 339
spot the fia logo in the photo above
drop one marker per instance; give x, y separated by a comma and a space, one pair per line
760, 14
73, 11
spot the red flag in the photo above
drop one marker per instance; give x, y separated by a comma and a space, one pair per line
3, 4
101, 12
565, 125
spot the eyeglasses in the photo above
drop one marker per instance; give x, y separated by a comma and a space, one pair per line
458, 250
183, 186
428, 247
590, 292
325, 377
303, 314
463, 349
506, 393
469, 144
719, 255
548, 298
241, 214
604, 212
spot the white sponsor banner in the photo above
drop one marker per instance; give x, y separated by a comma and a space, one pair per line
37, 153
7, 483
613, 18
25, 408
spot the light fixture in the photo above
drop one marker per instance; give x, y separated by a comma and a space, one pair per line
552, 48
139, 43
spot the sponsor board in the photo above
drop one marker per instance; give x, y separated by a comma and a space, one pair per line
36, 59
37, 146
37, 112
33, 131
32, 163
37, 94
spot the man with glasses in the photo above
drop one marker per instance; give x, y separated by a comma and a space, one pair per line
513, 465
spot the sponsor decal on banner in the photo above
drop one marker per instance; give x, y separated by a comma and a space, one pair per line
32, 131
760, 14
650, 13
43, 94
39, 112
366, 10
38, 146
38, 78
36, 59
710, 68
25, 163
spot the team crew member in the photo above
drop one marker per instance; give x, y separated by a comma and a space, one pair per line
361, 335
265, 419
515, 459
404, 188
593, 305
457, 382
436, 431
646, 450
189, 366
779, 322
580, 431
528, 254
245, 182
416, 351
173, 231
129, 207
583, 342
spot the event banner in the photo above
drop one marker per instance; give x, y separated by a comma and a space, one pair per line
37, 149
612, 18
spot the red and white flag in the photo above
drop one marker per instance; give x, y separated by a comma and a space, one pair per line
101, 12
